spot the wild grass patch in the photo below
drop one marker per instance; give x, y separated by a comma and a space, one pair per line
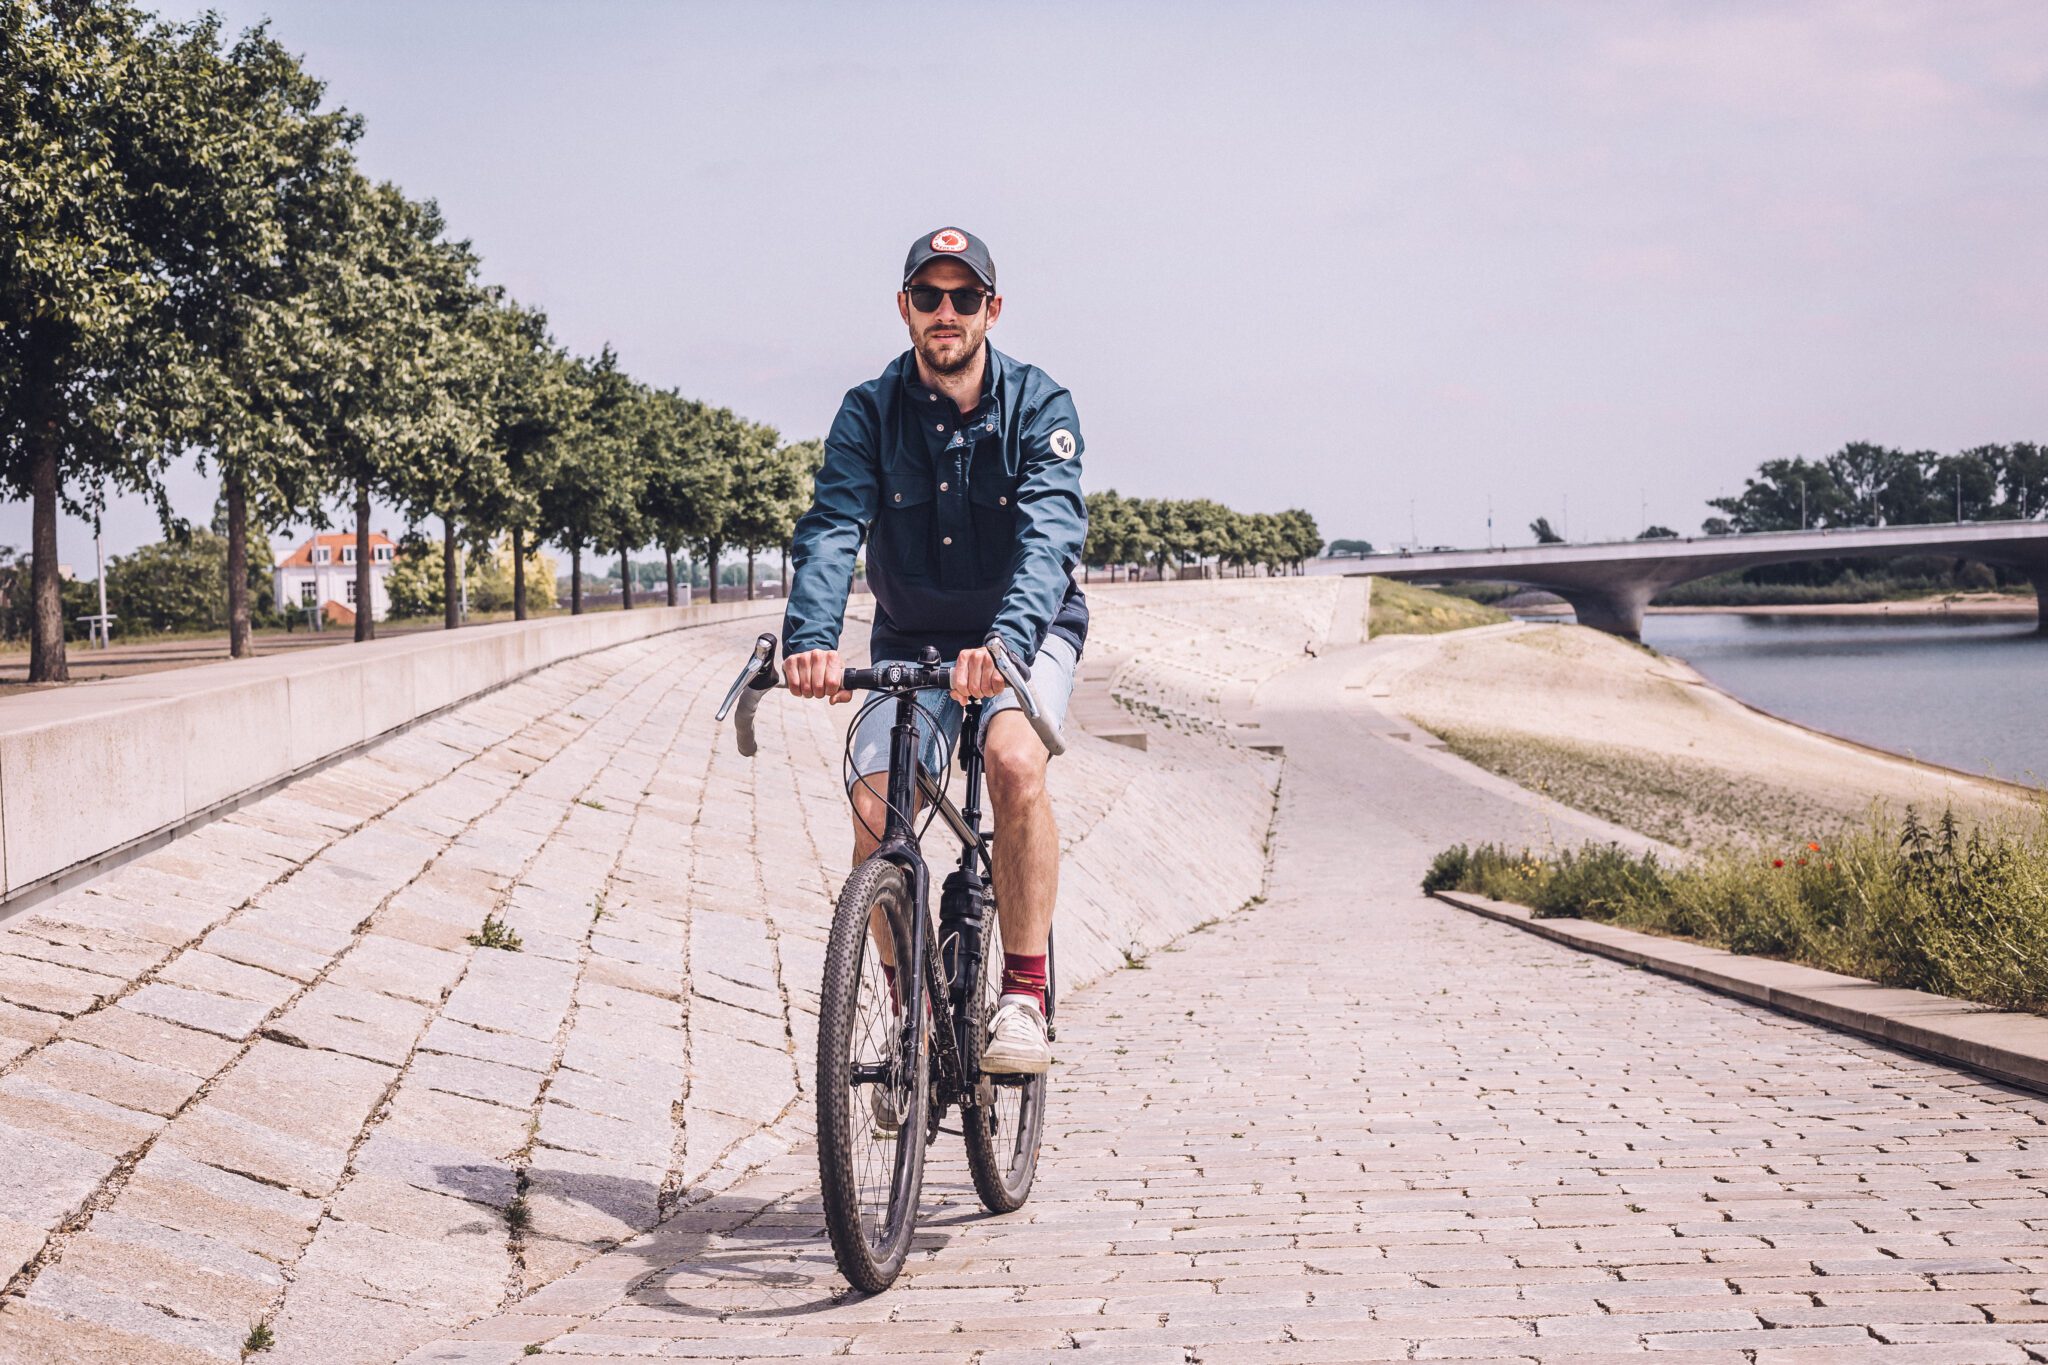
1933, 905
1682, 801
1404, 609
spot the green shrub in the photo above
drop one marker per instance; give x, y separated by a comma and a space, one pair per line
1904, 902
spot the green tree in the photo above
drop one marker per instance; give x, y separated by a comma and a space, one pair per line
535, 408
1540, 528
686, 486
258, 206
1658, 533
97, 128
574, 501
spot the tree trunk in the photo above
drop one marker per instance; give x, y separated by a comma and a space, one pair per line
576, 579
671, 576
711, 560
750, 573
451, 607
785, 573
46, 658
625, 580
366, 606
238, 568
518, 574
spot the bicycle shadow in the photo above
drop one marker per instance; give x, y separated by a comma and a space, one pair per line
727, 1258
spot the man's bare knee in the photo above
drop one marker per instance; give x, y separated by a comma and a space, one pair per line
1015, 764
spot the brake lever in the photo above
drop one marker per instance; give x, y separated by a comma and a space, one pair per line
758, 673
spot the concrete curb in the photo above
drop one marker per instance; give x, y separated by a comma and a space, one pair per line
99, 773
2001, 1044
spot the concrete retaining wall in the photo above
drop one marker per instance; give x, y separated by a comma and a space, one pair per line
97, 769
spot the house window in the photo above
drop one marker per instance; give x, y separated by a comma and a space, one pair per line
351, 592
348, 554
307, 593
383, 554
322, 555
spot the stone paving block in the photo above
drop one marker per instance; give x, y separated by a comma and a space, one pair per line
348, 1019
169, 1188
394, 966
153, 1041
74, 1116
516, 993
48, 986
456, 1039
203, 971
212, 1291
110, 1076
494, 1082
30, 1335
224, 1015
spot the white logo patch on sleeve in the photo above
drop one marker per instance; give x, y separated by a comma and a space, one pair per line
1062, 442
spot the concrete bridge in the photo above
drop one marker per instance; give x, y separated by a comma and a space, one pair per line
1609, 584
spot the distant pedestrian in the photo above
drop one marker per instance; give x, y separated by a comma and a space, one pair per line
1309, 647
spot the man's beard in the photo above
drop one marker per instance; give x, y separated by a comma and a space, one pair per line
970, 347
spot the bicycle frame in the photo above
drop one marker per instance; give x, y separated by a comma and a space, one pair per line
900, 845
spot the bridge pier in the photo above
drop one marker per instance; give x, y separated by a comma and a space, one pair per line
1615, 608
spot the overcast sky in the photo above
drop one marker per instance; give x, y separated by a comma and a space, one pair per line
1376, 260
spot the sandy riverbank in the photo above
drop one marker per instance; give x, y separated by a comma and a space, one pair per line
1644, 740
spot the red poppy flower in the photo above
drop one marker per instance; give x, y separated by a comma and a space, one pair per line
1777, 862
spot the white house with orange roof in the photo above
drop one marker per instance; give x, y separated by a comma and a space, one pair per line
322, 573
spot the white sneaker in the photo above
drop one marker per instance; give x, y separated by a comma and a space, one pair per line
1016, 1039
882, 1105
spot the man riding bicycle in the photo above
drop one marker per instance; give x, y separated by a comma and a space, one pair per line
961, 469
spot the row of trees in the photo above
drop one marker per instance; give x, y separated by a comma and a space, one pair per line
1864, 484
191, 262
1168, 531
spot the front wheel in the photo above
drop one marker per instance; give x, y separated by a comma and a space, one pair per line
873, 1087
1004, 1129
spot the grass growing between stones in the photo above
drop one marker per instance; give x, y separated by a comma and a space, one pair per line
260, 1338
1404, 609
1931, 906
1682, 801
495, 933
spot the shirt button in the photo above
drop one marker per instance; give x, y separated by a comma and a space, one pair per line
931, 398
947, 541
899, 497
938, 426
943, 487
1002, 502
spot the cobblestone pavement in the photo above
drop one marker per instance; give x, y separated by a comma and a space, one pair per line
1355, 1125
277, 1073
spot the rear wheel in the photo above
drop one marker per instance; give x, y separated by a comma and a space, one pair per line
1004, 1129
872, 1084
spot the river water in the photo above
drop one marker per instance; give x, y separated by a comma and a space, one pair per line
1964, 692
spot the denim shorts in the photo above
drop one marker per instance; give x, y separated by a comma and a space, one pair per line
1052, 682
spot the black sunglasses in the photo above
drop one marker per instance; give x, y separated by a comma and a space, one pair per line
966, 300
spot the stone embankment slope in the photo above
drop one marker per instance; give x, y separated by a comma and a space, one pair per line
1358, 1125
267, 1074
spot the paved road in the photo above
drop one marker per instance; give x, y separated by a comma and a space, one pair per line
1354, 1125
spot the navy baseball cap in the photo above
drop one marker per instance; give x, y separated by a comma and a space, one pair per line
957, 244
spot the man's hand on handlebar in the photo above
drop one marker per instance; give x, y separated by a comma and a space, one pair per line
975, 676
816, 673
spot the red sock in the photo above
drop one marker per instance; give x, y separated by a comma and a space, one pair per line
1025, 975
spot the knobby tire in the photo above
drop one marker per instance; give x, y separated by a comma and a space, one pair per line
871, 1222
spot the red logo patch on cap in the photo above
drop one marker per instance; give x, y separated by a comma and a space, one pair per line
949, 240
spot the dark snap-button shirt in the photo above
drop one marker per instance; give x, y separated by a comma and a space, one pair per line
972, 522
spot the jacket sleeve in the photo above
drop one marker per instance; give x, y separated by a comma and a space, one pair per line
1052, 523
828, 537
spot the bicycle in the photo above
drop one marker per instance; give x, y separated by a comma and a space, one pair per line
894, 1055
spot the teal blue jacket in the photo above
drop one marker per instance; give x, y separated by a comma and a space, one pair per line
972, 523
